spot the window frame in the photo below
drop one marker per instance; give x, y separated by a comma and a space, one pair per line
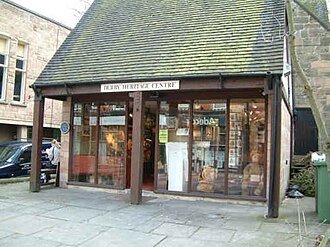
23, 74
5, 68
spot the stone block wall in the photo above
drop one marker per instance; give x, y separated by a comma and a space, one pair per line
42, 38
312, 43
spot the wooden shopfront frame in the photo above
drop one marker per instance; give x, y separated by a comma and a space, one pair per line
253, 86
212, 95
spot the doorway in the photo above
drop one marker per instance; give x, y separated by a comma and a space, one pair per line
149, 145
306, 132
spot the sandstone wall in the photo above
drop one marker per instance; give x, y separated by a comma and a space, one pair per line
312, 43
42, 38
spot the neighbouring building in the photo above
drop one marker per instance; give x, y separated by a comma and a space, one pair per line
311, 75
27, 42
179, 97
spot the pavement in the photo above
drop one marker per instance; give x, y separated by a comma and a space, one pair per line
82, 216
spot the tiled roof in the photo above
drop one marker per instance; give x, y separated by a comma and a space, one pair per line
318, 9
125, 40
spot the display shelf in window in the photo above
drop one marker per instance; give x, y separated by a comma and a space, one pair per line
235, 139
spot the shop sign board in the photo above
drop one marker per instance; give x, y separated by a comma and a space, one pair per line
140, 86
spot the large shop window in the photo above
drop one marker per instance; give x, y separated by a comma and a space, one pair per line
84, 143
225, 147
209, 145
246, 167
99, 144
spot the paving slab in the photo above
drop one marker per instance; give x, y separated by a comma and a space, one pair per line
184, 242
71, 213
148, 226
70, 233
120, 237
27, 224
120, 220
211, 234
204, 219
27, 241
175, 230
243, 223
80, 216
4, 234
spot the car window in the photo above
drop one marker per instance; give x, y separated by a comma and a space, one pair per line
44, 156
6, 152
25, 157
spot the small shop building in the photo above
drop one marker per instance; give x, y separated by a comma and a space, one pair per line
180, 97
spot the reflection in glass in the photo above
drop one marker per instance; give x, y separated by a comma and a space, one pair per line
2, 59
19, 64
246, 148
111, 164
209, 145
2, 81
84, 142
18, 85
173, 146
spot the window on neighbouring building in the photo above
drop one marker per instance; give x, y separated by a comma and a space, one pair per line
3, 67
20, 72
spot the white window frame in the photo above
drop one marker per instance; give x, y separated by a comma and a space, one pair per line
5, 68
23, 70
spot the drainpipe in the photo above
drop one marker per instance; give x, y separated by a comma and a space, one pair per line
273, 204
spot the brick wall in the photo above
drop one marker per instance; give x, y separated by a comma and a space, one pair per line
42, 38
312, 43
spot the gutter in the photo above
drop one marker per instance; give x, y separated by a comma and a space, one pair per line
197, 76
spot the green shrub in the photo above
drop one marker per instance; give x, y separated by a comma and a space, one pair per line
305, 180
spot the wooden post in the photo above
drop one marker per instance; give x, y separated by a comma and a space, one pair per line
137, 148
275, 171
37, 134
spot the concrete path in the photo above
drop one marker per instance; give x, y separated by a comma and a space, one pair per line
81, 216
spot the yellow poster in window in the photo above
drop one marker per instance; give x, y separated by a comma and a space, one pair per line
163, 136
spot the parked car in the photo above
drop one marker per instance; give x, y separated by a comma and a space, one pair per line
15, 158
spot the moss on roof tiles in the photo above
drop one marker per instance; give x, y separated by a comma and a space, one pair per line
120, 40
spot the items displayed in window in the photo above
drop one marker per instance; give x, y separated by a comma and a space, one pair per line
227, 149
173, 147
208, 147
